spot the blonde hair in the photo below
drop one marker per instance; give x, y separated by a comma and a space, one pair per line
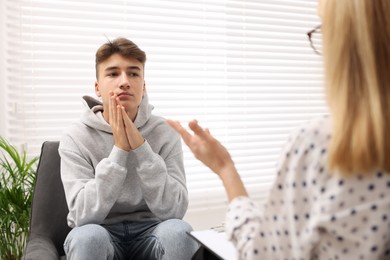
356, 47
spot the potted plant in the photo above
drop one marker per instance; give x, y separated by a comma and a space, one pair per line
17, 180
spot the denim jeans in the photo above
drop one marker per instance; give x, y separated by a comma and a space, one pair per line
131, 240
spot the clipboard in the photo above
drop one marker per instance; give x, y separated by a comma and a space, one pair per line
216, 242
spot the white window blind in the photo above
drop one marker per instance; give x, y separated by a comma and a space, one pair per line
243, 68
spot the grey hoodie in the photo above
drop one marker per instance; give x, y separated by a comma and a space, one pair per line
104, 184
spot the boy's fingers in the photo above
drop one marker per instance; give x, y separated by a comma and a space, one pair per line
110, 115
114, 108
126, 119
118, 116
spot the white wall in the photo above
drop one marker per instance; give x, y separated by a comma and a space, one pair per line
3, 119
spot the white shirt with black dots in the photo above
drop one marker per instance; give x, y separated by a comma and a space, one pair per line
312, 213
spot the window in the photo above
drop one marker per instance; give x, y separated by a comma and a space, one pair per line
243, 68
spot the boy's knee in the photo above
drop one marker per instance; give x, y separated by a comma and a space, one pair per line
177, 244
90, 236
175, 227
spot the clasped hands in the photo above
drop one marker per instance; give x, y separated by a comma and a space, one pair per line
126, 135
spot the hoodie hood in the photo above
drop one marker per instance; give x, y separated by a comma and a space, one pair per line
93, 106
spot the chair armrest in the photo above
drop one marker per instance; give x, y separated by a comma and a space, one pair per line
40, 248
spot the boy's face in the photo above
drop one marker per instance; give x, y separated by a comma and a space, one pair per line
124, 77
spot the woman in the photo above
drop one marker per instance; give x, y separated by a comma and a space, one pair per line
330, 199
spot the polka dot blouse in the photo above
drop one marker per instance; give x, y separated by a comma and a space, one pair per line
312, 213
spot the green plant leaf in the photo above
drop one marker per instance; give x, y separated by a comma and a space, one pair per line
17, 180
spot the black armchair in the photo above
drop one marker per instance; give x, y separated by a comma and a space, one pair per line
48, 225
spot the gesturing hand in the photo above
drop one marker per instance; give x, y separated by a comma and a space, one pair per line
204, 146
116, 122
214, 155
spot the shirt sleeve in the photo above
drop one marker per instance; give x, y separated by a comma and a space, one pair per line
247, 223
312, 213
162, 180
242, 221
88, 196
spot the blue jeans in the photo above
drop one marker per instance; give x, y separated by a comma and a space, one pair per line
131, 240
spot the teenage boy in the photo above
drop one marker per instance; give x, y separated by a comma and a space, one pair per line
122, 169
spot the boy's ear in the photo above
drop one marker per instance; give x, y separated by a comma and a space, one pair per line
97, 89
144, 89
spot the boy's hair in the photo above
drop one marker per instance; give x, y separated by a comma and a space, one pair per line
356, 41
121, 46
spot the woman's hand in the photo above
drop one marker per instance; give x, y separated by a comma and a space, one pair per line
204, 146
213, 154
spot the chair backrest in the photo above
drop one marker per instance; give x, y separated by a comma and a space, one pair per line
49, 208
